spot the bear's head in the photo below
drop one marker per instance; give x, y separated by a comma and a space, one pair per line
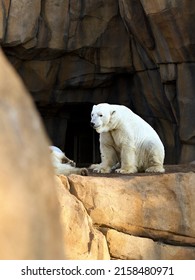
101, 117
59, 157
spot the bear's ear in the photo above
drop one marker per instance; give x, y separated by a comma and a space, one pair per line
113, 112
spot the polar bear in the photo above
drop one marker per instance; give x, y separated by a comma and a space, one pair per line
63, 165
126, 140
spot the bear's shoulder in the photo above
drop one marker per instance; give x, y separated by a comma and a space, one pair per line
122, 110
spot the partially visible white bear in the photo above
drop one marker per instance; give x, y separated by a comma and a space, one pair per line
127, 139
64, 165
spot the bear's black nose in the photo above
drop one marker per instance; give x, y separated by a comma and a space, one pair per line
92, 124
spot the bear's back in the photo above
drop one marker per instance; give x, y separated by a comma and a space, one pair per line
132, 121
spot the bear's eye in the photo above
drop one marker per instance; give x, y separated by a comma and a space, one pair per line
100, 115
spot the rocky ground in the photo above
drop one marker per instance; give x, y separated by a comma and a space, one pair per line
174, 168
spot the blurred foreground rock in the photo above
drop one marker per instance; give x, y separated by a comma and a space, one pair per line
83, 240
29, 218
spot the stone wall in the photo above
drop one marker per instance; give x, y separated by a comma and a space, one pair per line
128, 217
138, 53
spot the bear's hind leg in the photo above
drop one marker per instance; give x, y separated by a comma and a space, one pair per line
155, 164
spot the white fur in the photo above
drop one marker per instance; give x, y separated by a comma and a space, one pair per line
63, 165
127, 139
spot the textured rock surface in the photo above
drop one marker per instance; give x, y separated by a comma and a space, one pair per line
142, 206
29, 217
141, 216
124, 246
82, 240
138, 53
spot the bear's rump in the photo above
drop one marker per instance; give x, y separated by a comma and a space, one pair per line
148, 154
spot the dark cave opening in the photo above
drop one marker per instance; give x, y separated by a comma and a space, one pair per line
68, 127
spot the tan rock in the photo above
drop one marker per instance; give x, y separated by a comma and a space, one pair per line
29, 217
87, 17
155, 206
62, 180
128, 247
186, 83
158, 6
56, 17
23, 22
4, 8
136, 22
168, 72
39, 75
81, 240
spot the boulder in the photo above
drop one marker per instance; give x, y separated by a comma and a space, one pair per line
160, 207
128, 247
82, 241
29, 218
129, 217
22, 24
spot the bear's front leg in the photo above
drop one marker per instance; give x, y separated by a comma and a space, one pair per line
109, 155
108, 158
128, 162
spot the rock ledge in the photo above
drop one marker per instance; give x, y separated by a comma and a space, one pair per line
129, 217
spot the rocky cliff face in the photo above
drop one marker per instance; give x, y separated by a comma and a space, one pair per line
128, 217
72, 54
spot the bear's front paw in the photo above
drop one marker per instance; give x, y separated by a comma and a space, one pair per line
101, 169
126, 171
